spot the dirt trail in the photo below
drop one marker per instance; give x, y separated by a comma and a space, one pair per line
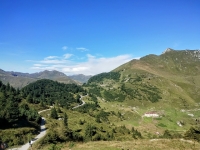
83, 103
42, 133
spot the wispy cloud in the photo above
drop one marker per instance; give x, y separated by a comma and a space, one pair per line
82, 49
53, 61
50, 57
91, 66
64, 48
39, 65
66, 56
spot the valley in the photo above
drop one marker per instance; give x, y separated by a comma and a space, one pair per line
153, 102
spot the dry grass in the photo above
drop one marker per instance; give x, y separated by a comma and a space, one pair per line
156, 144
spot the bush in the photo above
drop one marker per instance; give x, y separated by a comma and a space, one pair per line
55, 147
193, 133
136, 134
17, 137
162, 125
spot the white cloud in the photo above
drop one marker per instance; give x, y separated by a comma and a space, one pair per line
90, 56
52, 61
64, 48
93, 65
82, 49
50, 57
66, 56
39, 65
55, 59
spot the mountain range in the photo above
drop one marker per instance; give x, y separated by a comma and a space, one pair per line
19, 79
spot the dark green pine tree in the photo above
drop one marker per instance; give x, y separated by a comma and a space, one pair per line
89, 132
29, 98
54, 114
12, 112
7, 86
65, 120
2, 108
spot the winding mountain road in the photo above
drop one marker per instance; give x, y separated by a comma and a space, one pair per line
83, 103
42, 133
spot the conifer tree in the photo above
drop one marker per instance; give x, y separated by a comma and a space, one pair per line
65, 120
54, 114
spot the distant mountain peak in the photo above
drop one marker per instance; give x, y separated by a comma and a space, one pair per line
168, 50
53, 72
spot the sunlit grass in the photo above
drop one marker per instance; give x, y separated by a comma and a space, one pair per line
159, 144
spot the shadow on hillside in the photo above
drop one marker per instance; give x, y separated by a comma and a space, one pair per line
34, 139
42, 130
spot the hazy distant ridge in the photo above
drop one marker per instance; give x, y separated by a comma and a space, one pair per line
80, 77
19, 80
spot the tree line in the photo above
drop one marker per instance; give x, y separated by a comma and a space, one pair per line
12, 111
110, 75
15, 103
48, 92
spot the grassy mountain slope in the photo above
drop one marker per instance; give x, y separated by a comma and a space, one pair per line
167, 84
179, 69
19, 80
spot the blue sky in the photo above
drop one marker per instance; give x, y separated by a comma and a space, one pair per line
92, 36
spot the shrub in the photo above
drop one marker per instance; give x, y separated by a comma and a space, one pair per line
193, 133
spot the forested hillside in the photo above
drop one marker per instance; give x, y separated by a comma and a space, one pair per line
19, 118
48, 92
12, 110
